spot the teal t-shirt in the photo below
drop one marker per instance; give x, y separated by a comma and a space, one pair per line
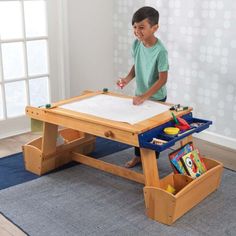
148, 63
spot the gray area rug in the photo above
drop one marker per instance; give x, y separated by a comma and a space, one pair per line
85, 201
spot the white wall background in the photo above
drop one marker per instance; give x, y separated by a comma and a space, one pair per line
90, 42
201, 41
200, 38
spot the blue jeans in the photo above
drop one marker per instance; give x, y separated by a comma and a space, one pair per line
136, 149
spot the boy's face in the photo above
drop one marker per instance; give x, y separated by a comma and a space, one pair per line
144, 31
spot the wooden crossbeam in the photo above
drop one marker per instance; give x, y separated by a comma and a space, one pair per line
108, 167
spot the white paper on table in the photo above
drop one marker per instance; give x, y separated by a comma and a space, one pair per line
117, 108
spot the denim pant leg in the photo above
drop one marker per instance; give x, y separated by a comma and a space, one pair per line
137, 152
136, 149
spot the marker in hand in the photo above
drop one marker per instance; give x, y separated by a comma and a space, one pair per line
120, 84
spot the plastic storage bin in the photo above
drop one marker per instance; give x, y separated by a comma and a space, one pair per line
197, 125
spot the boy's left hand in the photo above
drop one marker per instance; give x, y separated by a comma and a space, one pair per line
137, 100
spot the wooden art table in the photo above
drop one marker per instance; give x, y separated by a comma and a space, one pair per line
43, 155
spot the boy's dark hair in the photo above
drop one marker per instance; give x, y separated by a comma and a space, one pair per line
146, 13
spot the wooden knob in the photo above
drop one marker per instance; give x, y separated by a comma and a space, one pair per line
108, 133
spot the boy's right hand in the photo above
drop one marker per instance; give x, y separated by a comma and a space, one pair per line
122, 82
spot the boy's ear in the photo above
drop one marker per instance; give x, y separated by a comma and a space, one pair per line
155, 27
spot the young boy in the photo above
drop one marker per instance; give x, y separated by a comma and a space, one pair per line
150, 67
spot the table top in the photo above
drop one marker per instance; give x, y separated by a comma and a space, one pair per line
137, 128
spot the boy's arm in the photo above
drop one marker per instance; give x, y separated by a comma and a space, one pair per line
124, 81
156, 86
131, 74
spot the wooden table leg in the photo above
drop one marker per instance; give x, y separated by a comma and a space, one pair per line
150, 168
186, 140
152, 181
49, 141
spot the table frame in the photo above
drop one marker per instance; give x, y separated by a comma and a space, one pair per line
84, 128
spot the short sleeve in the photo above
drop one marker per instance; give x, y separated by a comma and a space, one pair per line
163, 64
134, 47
